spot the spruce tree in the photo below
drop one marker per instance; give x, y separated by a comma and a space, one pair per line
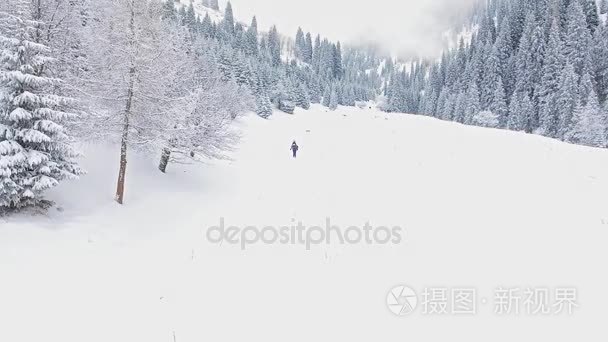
326, 96
499, 103
520, 111
473, 106
567, 100
529, 57
460, 107
302, 97
169, 12
550, 83
315, 90
440, 105
585, 89
600, 62
206, 26
308, 49
490, 79
504, 46
35, 147
300, 44
316, 54
591, 14
588, 125
333, 102
337, 61
274, 46
251, 41
263, 105
578, 39
191, 20
449, 107
229, 19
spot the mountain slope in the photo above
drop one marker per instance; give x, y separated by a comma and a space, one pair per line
482, 208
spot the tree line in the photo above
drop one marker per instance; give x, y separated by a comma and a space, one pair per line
539, 66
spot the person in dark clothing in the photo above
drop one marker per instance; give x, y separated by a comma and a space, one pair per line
294, 148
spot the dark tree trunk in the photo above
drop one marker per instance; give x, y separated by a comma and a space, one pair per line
164, 160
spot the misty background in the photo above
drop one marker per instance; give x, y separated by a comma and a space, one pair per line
406, 28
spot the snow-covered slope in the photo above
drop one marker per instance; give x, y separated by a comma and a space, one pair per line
482, 208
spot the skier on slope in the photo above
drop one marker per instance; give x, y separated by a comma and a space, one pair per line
294, 148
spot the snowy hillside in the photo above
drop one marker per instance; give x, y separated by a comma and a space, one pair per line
482, 209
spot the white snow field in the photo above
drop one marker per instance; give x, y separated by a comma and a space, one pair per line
482, 208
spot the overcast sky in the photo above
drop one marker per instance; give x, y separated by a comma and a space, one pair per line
403, 26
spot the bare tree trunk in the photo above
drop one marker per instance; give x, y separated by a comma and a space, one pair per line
122, 172
164, 160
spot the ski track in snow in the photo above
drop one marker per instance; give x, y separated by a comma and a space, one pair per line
482, 208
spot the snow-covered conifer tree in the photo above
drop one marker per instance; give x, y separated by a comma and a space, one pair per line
440, 105
585, 88
520, 111
567, 100
603, 6
449, 107
578, 39
308, 49
550, 81
490, 78
300, 44
588, 125
229, 19
263, 105
473, 105
274, 45
499, 104
600, 61
333, 102
591, 14
251, 40
326, 96
460, 107
302, 96
35, 147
